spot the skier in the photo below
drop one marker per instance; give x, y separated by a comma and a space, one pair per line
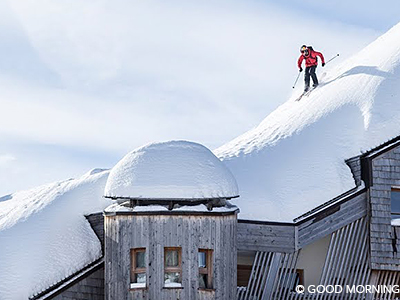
308, 53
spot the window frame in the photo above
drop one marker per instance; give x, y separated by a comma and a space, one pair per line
135, 270
208, 270
394, 215
177, 269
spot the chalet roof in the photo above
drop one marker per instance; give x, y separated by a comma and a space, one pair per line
364, 173
293, 160
69, 281
174, 170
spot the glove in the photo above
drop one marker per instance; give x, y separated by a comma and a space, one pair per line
301, 69
323, 64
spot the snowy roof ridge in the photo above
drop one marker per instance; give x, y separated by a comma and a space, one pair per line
49, 217
293, 160
369, 68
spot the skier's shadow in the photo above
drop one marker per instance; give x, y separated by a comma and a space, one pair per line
369, 70
5, 198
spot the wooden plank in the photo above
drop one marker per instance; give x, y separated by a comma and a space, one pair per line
259, 237
153, 232
270, 278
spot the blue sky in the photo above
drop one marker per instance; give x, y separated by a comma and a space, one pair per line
83, 83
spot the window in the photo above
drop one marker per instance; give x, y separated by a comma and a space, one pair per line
299, 278
243, 274
205, 268
395, 203
138, 268
172, 267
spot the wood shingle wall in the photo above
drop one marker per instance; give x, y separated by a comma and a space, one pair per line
354, 164
90, 287
385, 255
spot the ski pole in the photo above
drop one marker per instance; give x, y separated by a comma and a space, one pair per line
296, 80
332, 58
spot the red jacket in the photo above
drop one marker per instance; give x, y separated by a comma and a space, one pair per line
311, 58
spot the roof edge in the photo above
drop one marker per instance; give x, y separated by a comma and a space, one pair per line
171, 213
67, 282
390, 144
346, 196
170, 199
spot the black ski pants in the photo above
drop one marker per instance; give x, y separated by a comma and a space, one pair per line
310, 71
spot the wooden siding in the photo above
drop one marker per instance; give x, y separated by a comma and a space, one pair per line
385, 242
154, 232
265, 237
346, 263
385, 278
330, 220
272, 277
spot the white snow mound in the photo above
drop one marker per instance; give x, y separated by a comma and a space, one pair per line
44, 235
171, 170
294, 160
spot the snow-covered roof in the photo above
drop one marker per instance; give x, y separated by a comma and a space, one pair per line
291, 163
171, 170
44, 235
294, 160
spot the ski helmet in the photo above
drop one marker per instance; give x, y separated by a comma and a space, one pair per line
303, 48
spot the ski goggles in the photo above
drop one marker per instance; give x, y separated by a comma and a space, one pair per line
303, 49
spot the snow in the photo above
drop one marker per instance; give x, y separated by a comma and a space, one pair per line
172, 284
44, 235
289, 164
171, 170
138, 285
69, 281
294, 159
395, 222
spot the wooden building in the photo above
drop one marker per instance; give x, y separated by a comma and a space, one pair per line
351, 240
170, 243
170, 254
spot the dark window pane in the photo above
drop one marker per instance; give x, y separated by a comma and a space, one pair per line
172, 258
202, 260
202, 281
140, 260
395, 200
172, 277
140, 278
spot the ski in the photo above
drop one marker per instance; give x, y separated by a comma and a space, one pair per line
306, 93
301, 96
309, 91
